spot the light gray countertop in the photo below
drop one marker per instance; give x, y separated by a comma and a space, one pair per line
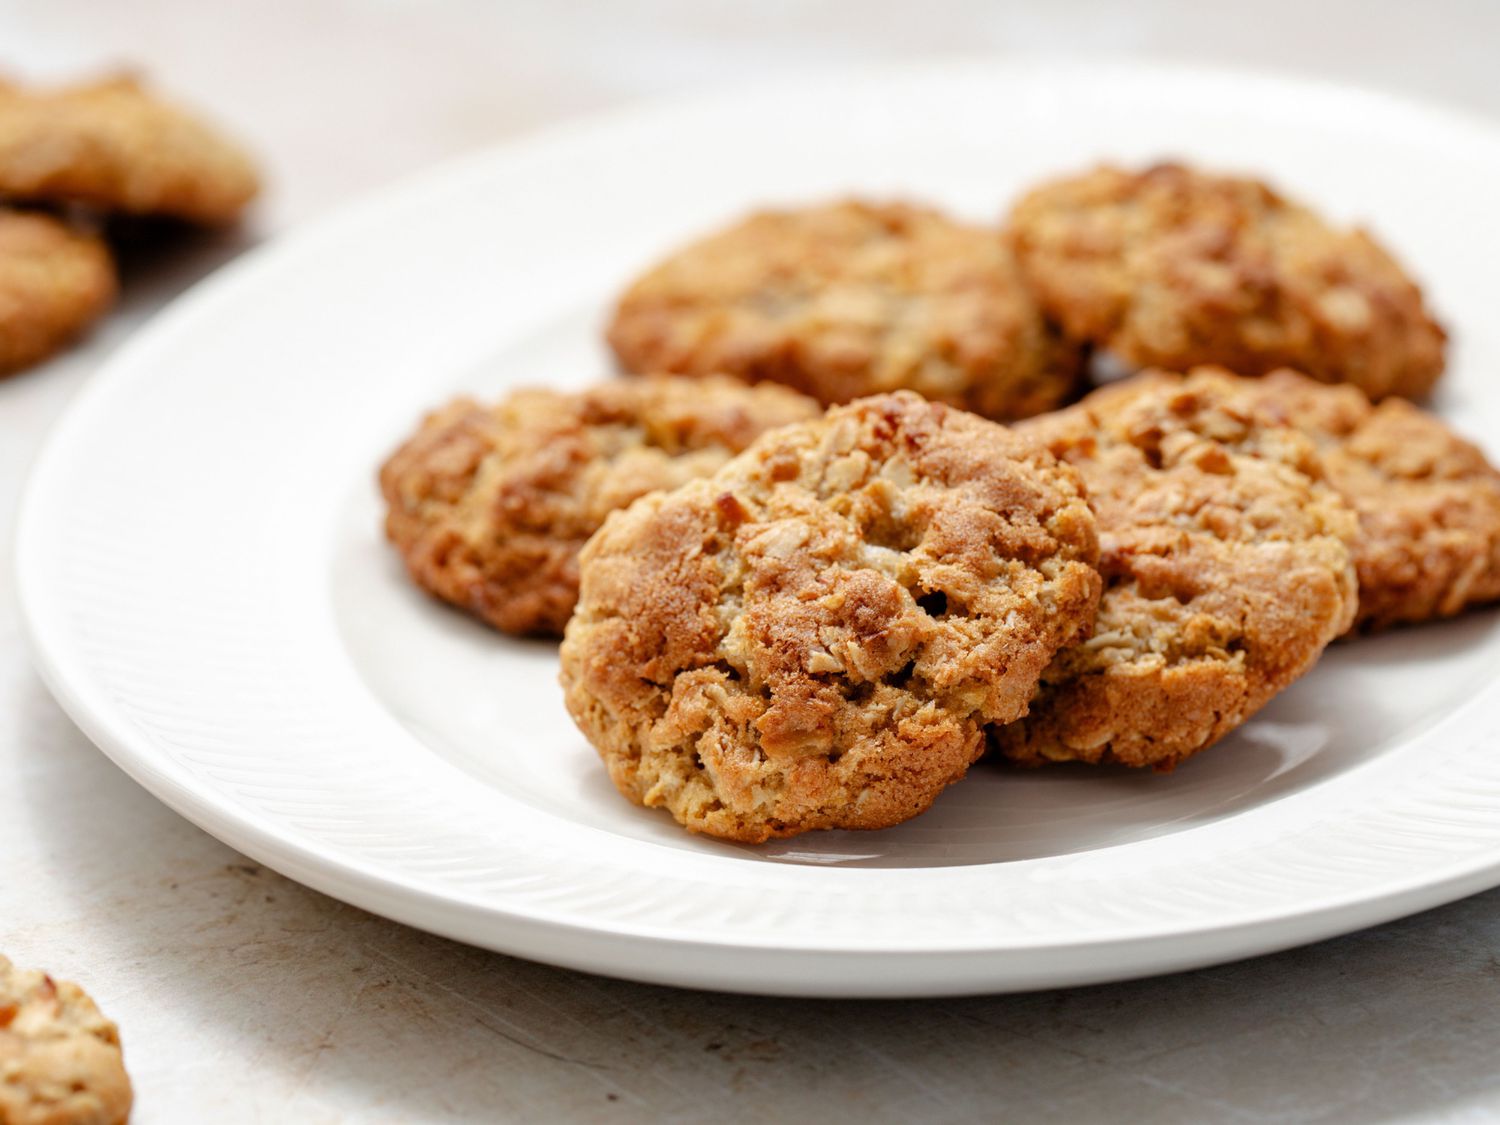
245, 997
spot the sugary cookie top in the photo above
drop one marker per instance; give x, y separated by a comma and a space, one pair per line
490, 505
1172, 267
1226, 562
851, 299
815, 636
1428, 500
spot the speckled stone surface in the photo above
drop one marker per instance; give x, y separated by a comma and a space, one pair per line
243, 997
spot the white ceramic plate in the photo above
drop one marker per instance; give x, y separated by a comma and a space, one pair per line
207, 592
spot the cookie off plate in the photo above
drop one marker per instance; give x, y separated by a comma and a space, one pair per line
207, 591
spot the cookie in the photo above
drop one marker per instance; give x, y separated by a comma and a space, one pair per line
60, 1060
1171, 267
1428, 501
816, 636
115, 146
489, 506
54, 282
851, 299
1227, 569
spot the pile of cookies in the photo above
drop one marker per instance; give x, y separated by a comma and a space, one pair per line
70, 160
855, 519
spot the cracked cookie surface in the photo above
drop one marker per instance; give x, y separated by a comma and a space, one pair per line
54, 282
489, 506
1428, 500
60, 1060
816, 636
116, 146
1227, 570
851, 299
1171, 267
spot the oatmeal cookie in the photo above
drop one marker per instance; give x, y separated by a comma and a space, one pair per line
817, 635
54, 282
851, 299
1227, 570
489, 506
1171, 267
60, 1061
115, 146
1428, 501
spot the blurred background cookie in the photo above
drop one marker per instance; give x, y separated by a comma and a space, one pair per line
1172, 267
1227, 570
849, 299
60, 1059
55, 281
490, 505
816, 636
115, 146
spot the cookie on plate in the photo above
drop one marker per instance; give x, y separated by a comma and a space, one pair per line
850, 299
60, 1060
817, 635
1428, 501
1227, 569
489, 506
54, 282
115, 146
1171, 267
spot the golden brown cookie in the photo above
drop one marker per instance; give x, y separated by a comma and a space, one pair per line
1171, 267
1226, 563
54, 282
1428, 501
851, 299
115, 146
816, 636
60, 1061
489, 506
